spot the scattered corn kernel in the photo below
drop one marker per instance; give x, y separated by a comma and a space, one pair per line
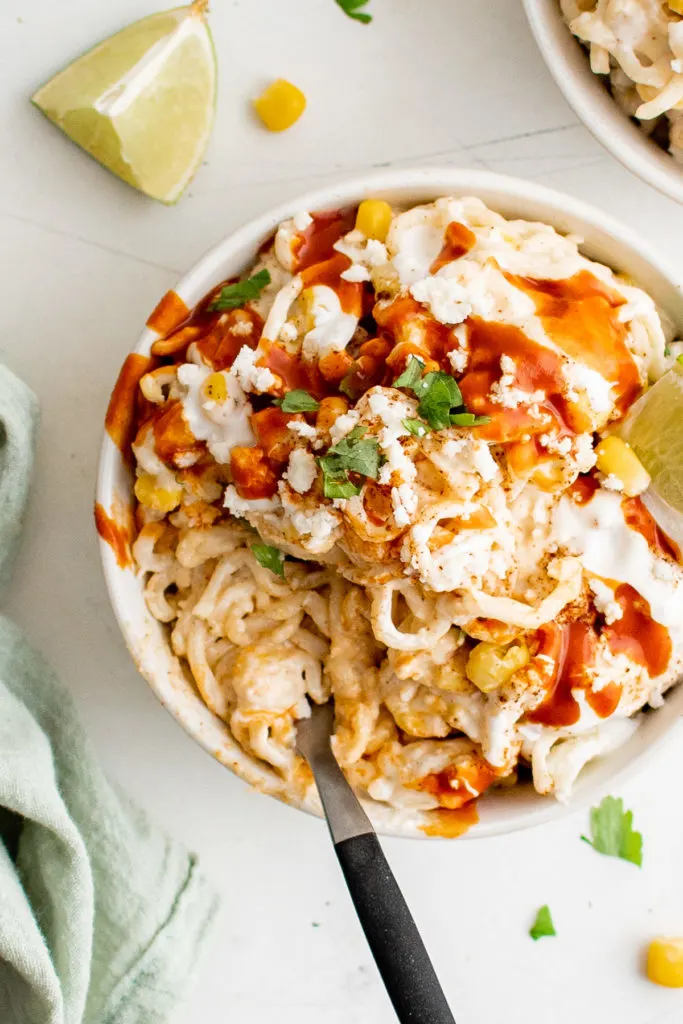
676, 6
330, 409
374, 219
616, 458
280, 105
215, 387
490, 666
665, 962
158, 499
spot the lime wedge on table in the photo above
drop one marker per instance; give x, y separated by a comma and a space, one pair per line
654, 429
142, 102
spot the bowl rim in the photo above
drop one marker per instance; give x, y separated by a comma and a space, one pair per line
587, 95
559, 209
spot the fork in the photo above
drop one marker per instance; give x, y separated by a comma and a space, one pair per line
395, 943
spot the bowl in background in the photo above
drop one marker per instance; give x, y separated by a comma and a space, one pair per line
587, 94
604, 240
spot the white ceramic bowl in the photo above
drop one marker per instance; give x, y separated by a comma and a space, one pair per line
147, 641
567, 62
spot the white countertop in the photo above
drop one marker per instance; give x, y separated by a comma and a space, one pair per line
84, 260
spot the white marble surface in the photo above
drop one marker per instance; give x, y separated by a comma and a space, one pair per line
83, 260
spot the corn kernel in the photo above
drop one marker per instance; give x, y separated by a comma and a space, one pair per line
490, 666
158, 499
616, 458
676, 6
215, 387
280, 105
330, 409
374, 219
665, 962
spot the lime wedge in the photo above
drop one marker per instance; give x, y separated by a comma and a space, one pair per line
142, 102
654, 429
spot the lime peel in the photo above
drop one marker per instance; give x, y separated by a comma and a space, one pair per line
142, 101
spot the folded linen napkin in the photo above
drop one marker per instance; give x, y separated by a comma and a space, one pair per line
102, 917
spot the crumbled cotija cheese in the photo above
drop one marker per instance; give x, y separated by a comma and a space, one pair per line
301, 470
250, 376
288, 332
302, 429
603, 599
356, 273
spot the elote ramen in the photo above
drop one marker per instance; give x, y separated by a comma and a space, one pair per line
382, 469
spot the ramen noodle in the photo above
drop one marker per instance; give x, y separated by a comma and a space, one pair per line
638, 44
366, 473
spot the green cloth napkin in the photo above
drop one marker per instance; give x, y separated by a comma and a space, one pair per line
102, 917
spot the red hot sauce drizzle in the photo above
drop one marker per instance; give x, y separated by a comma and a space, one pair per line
120, 419
118, 535
168, 315
573, 647
581, 316
458, 242
638, 518
636, 634
536, 369
316, 243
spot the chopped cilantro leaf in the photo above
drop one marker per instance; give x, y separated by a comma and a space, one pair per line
353, 454
338, 488
417, 427
357, 455
543, 925
352, 8
438, 394
269, 558
667, 349
233, 296
612, 831
298, 401
468, 419
411, 375
441, 403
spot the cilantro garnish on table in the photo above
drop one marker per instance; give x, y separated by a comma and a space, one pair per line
270, 558
353, 9
298, 401
441, 401
543, 925
234, 296
353, 454
612, 831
